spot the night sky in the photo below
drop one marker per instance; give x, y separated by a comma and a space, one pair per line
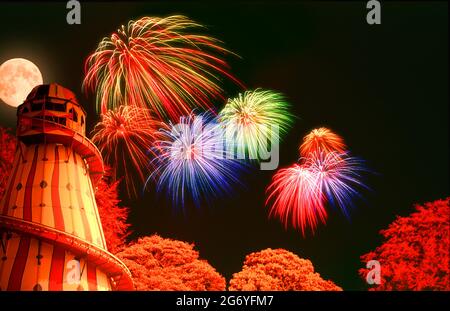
384, 88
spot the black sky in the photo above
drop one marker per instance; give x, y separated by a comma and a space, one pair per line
384, 88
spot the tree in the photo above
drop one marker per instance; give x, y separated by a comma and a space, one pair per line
415, 253
280, 270
8, 144
112, 215
164, 264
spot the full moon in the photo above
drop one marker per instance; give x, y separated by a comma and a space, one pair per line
18, 77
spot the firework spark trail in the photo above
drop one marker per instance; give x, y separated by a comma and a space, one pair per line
250, 118
123, 136
321, 139
295, 198
156, 63
192, 161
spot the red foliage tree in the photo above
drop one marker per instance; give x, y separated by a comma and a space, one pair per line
280, 270
415, 254
112, 215
8, 144
165, 264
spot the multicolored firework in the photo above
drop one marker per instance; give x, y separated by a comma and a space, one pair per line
296, 198
255, 119
299, 194
321, 139
123, 136
156, 63
192, 161
337, 176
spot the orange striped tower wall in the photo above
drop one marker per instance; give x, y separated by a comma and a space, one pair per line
51, 234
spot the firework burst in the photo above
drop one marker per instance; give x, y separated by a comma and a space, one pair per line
295, 198
158, 64
254, 119
192, 161
337, 176
299, 194
123, 136
322, 139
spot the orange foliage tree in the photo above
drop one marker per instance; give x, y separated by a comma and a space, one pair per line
415, 254
7, 149
280, 270
112, 215
164, 264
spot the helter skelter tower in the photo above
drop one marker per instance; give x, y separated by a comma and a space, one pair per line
49, 222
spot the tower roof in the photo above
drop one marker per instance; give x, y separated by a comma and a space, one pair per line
53, 90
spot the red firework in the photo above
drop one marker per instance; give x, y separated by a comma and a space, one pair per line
124, 137
158, 64
296, 198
